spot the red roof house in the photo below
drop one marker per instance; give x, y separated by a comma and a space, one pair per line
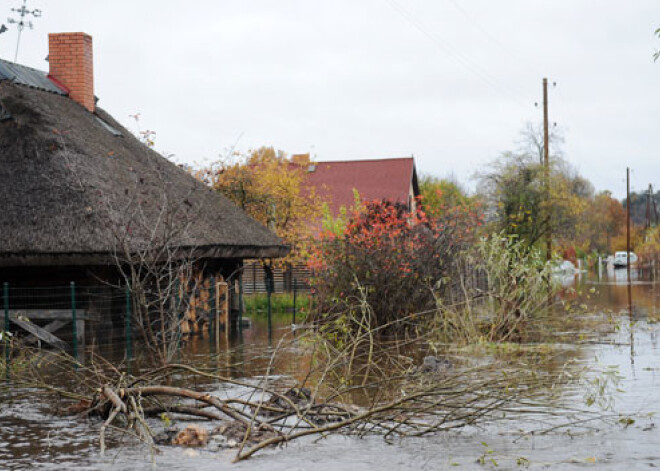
377, 179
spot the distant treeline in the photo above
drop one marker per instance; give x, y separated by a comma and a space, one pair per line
638, 203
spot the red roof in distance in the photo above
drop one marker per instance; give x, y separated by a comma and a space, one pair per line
375, 179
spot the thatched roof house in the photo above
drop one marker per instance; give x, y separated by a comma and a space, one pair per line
74, 184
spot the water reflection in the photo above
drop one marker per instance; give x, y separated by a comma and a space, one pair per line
34, 437
633, 294
249, 351
612, 292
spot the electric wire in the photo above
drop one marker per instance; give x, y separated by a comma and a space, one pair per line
495, 40
444, 45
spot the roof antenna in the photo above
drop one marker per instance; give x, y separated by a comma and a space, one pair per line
20, 24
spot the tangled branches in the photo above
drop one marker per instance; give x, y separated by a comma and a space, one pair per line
362, 387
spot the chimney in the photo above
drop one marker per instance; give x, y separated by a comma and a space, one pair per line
71, 65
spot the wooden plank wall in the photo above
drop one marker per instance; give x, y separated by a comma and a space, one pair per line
254, 278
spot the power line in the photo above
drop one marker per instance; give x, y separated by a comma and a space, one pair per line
495, 40
460, 58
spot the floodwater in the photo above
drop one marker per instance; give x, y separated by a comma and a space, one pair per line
33, 437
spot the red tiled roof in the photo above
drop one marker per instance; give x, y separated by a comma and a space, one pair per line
373, 179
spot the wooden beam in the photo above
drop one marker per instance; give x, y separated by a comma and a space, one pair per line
50, 327
47, 314
41, 334
80, 330
222, 306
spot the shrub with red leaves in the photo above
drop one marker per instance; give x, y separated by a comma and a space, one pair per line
391, 257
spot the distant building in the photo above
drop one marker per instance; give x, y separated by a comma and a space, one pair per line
335, 182
378, 179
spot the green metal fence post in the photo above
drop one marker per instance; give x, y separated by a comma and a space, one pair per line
74, 319
212, 310
270, 313
295, 290
5, 337
240, 301
129, 341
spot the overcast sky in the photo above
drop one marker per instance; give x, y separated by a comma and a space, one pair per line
451, 82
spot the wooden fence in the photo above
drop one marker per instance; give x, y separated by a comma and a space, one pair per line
254, 278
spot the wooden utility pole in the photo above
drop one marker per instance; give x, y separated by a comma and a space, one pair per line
546, 167
630, 304
628, 222
647, 223
655, 208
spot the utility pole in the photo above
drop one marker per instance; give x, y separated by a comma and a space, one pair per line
546, 169
630, 305
655, 209
648, 209
628, 223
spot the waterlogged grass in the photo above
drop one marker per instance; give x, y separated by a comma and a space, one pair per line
280, 302
504, 348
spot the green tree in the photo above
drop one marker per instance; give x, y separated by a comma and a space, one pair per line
438, 194
518, 202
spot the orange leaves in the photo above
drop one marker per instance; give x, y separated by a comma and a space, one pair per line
270, 188
397, 254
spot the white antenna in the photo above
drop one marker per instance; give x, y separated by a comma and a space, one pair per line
21, 23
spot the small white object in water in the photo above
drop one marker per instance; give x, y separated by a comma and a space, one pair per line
190, 453
217, 442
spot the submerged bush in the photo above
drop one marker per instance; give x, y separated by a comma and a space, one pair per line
516, 299
390, 259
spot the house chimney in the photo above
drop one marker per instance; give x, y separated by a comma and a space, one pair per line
71, 65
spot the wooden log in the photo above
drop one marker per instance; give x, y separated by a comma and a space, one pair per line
113, 397
50, 327
59, 318
223, 301
217, 403
47, 314
80, 330
40, 333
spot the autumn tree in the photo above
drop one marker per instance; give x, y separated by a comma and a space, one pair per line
603, 225
394, 260
439, 194
518, 202
269, 186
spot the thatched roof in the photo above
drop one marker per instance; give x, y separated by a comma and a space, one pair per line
71, 190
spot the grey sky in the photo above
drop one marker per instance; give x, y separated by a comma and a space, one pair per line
450, 81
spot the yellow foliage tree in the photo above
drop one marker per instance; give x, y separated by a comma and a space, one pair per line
270, 187
520, 201
604, 224
648, 246
440, 194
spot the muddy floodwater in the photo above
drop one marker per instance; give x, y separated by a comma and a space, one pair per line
32, 436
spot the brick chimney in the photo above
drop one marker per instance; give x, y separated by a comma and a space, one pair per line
71, 64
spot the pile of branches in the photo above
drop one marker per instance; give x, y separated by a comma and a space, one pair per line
361, 388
